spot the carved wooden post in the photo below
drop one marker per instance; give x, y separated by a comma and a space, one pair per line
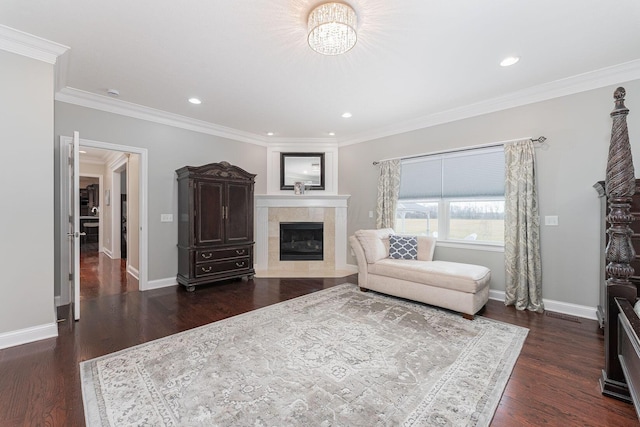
620, 187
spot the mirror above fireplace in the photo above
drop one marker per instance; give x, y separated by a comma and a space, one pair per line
307, 168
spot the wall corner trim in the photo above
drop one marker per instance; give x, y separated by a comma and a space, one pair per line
577, 310
27, 335
31, 46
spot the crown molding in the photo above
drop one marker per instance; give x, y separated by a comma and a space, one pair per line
307, 142
60, 71
568, 86
92, 161
99, 102
303, 144
31, 46
613, 75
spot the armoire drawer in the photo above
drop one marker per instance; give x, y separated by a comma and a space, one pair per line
214, 267
219, 254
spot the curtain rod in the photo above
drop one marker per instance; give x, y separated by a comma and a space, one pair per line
540, 140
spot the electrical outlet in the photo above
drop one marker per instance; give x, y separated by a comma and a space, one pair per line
166, 217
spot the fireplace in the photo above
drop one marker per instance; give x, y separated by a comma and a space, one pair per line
301, 241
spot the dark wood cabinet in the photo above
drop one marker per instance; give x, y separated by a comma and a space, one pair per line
215, 223
635, 241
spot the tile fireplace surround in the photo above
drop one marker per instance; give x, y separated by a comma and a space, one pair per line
271, 210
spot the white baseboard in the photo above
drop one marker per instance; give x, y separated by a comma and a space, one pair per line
160, 283
133, 271
27, 335
107, 252
583, 311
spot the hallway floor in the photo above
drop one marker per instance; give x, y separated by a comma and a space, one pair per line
101, 275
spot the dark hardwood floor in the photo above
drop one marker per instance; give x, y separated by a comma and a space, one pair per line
101, 276
554, 383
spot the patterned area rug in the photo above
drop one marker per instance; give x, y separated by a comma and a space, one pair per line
338, 357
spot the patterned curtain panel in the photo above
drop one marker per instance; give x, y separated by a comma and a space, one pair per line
522, 229
388, 190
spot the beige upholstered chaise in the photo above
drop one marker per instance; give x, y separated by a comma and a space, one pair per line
455, 286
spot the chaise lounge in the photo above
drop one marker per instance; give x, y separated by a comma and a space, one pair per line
383, 266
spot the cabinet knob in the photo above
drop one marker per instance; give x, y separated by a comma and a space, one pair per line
207, 270
207, 256
240, 264
240, 251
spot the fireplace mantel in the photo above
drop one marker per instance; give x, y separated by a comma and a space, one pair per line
319, 205
301, 201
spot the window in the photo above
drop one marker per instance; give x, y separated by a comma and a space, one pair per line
454, 196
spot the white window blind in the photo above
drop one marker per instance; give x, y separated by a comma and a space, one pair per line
470, 173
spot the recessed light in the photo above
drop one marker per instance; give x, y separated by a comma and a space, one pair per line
346, 115
113, 92
332, 134
195, 101
270, 134
509, 60
82, 152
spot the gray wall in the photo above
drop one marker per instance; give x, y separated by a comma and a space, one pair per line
578, 129
26, 216
169, 148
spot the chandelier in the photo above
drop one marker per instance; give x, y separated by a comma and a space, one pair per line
332, 28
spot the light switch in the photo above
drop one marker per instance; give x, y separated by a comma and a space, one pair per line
551, 220
166, 217
370, 214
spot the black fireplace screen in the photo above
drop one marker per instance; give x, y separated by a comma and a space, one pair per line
301, 241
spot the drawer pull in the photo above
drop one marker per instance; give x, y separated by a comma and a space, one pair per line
207, 270
240, 264
207, 256
240, 251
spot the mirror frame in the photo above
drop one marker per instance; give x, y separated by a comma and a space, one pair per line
283, 172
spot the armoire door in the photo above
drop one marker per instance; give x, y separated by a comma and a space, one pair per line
209, 222
239, 219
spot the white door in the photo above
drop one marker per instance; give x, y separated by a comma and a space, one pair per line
74, 231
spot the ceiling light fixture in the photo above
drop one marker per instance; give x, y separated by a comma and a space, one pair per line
270, 133
332, 28
346, 115
195, 101
509, 60
332, 134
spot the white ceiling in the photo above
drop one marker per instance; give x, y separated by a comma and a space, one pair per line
416, 62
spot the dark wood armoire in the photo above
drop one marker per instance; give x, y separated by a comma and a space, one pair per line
215, 223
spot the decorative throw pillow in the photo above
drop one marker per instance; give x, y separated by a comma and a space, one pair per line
403, 247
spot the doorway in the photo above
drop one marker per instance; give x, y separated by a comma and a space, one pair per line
104, 267
105, 270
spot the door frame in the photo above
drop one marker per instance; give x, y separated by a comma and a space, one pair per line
114, 169
143, 189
